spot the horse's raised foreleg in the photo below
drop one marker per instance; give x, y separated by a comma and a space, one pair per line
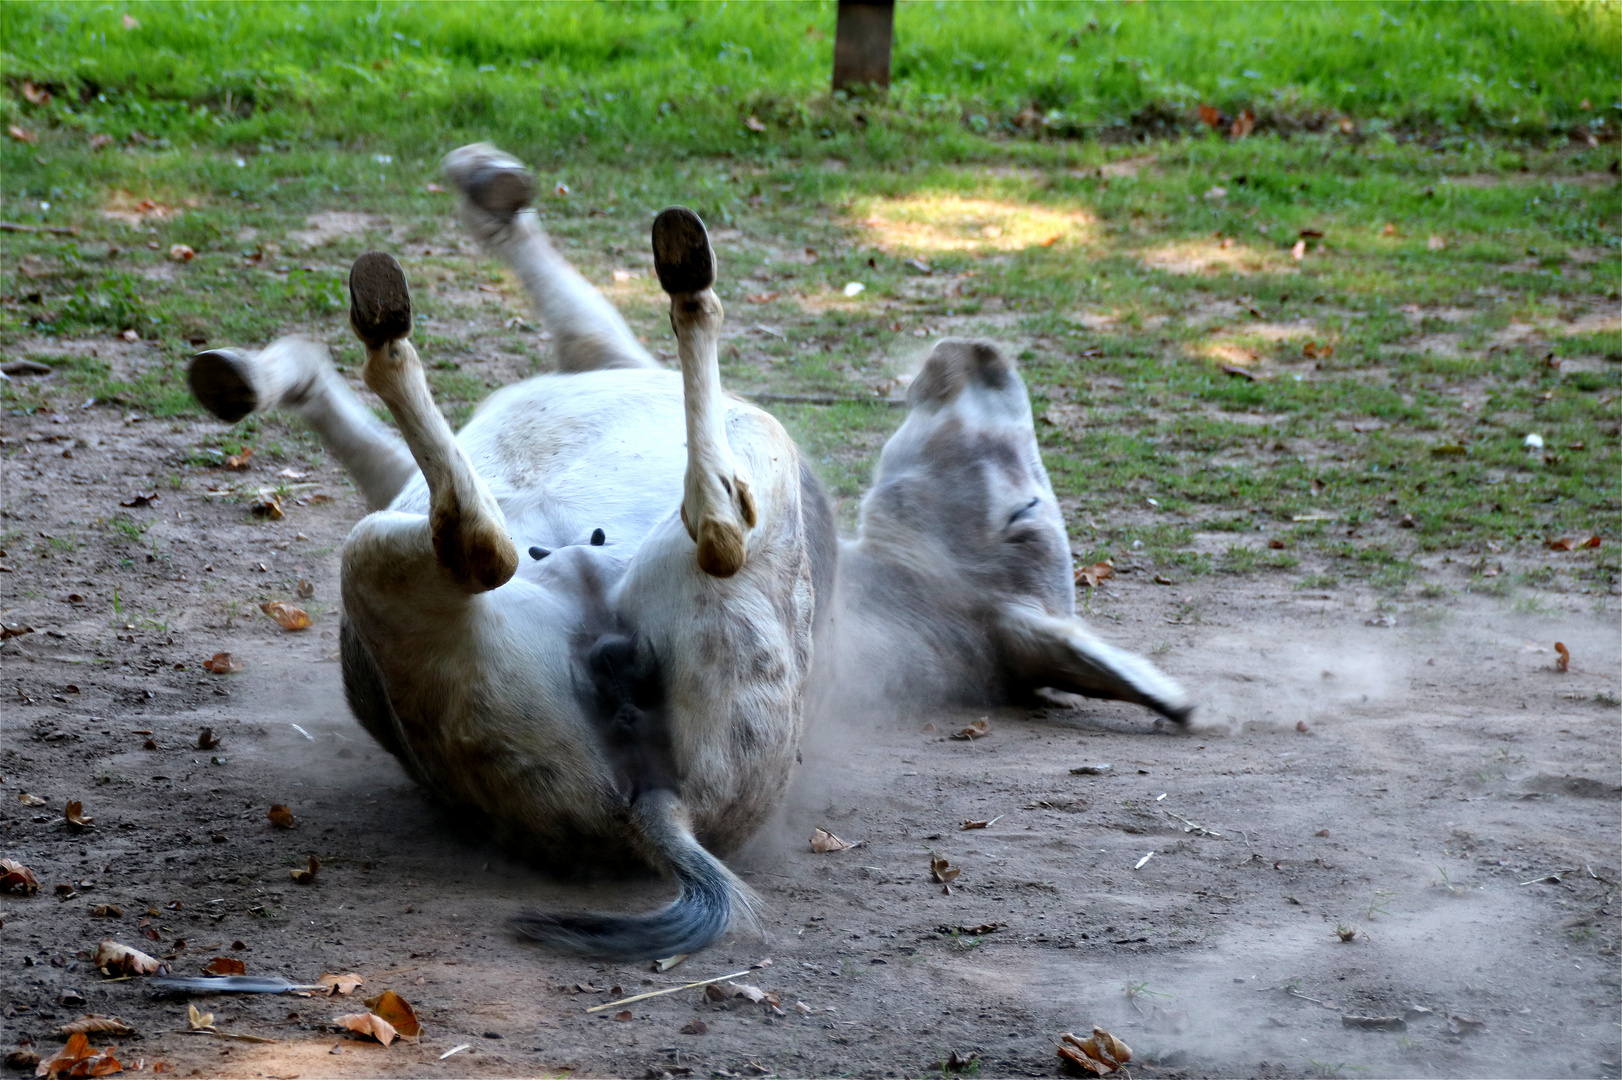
466, 527
716, 505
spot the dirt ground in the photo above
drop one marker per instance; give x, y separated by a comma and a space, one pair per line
1435, 786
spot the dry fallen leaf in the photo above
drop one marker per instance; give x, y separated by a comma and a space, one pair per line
695, 1027
823, 841
943, 872
114, 958
225, 965
1562, 544
305, 589
977, 730
967, 825
30, 800
287, 616
107, 911
198, 1021
1435, 243
267, 504
1243, 124
369, 1024
307, 875
76, 818
1299, 251
397, 1011
752, 122
91, 1023
138, 500
239, 461
207, 740
35, 95
1097, 1055
222, 663
1093, 575
79, 1059
20, 135
1564, 663
182, 253
761, 297
281, 817
1210, 116
339, 984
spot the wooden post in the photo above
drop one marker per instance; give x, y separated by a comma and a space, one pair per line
862, 43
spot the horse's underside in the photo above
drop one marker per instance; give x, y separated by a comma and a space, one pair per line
594, 616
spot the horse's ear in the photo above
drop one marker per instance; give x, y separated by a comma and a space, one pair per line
1044, 650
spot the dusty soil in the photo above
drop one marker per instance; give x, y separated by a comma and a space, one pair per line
1435, 786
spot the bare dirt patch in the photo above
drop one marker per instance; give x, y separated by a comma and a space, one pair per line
1452, 798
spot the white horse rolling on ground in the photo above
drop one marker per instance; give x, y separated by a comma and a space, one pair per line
599, 615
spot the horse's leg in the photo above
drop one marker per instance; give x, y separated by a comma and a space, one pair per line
466, 528
296, 374
496, 189
716, 505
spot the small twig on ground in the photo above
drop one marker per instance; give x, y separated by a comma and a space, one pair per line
53, 230
668, 990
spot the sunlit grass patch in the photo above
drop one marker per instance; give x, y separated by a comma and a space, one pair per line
1216, 256
928, 223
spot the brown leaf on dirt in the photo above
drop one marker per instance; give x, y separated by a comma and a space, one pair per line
221, 663
79, 1059
281, 817
1097, 1055
1591, 542
138, 500
1277, 544
198, 1021
1564, 543
1093, 575
30, 800
752, 122
1243, 124
1211, 116
823, 841
307, 875
11, 630
761, 297
1239, 373
267, 504
305, 589
207, 740
77, 819
17, 879
287, 616
35, 95
623, 1015
1563, 664
20, 135
107, 911
339, 984
239, 461
182, 252
94, 1023
397, 1011
225, 965
977, 730
1313, 351
695, 1027
943, 872
21, 1059
972, 931
115, 958
368, 1024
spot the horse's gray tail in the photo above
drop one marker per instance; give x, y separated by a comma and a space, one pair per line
710, 900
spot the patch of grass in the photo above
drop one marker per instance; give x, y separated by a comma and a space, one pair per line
1043, 164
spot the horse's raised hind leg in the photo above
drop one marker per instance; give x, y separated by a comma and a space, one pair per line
496, 190
467, 528
296, 374
716, 505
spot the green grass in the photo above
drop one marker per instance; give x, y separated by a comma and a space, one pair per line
1123, 251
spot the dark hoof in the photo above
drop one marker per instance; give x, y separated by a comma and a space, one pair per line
502, 190
220, 382
379, 300
681, 252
